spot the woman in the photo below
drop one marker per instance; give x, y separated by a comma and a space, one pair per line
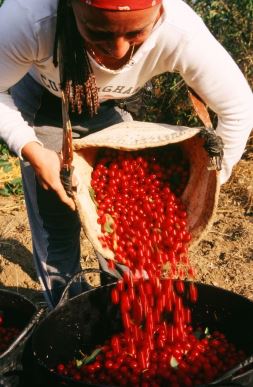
98, 51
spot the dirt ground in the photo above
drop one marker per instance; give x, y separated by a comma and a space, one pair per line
224, 258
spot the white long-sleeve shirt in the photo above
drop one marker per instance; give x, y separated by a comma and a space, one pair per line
180, 42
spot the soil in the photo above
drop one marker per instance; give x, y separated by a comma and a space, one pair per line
223, 258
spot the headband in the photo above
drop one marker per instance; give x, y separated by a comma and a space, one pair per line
122, 5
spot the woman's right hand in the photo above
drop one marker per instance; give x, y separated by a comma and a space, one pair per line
47, 166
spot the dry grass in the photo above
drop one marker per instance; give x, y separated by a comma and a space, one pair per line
13, 173
239, 189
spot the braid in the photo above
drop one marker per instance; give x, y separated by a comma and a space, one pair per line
76, 75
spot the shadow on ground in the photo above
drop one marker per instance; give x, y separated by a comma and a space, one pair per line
13, 251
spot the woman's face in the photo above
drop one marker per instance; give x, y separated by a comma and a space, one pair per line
111, 33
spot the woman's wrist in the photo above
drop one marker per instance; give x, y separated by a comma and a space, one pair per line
32, 152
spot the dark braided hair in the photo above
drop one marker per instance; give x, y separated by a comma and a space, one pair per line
77, 78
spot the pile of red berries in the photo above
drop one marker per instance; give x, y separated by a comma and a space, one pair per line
187, 362
7, 334
144, 222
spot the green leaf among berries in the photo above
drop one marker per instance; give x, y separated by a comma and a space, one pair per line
173, 362
88, 359
92, 357
108, 224
207, 332
198, 334
92, 195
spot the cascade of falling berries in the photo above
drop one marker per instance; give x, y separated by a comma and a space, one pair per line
144, 223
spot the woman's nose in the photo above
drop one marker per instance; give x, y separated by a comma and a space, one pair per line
118, 47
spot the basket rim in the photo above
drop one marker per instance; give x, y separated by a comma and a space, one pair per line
146, 134
18, 295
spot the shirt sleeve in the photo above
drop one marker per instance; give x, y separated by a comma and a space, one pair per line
13, 129
208, 68
18, 50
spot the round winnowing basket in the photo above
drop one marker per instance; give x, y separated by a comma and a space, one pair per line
200, 195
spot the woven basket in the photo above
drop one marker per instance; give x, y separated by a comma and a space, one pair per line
200, 195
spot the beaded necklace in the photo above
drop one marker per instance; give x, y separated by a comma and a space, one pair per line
100, 62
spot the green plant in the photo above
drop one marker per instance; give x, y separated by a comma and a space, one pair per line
231, 22
10, 179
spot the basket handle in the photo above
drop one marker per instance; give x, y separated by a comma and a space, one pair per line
65, 295
213, 144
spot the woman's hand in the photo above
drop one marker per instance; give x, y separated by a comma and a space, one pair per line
47, 165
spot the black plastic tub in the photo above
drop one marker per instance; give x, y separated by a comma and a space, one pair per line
91, 318
20, 312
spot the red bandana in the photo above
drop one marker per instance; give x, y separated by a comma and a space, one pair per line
122, 5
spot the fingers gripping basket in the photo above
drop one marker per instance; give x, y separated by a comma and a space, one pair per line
200, 195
